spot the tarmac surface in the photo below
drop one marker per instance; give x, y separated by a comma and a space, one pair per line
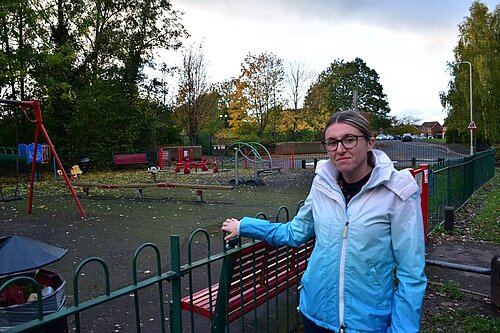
470, 253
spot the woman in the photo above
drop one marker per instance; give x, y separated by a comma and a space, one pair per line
366, 272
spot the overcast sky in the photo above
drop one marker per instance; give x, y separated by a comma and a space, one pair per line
408, 42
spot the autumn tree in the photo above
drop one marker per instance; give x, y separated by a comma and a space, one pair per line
238, 106
261, 84
226, 90
221, 123
333, 92
193, 102
479, 44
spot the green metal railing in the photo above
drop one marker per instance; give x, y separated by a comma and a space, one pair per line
179, 278
452, 183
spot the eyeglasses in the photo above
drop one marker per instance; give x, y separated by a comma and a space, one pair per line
348, 142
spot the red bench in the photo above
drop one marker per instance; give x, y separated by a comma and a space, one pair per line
248, 279
129, 159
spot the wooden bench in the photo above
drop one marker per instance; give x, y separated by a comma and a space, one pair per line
248, 279
129, 159
196, 188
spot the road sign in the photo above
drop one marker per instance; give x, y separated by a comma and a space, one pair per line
472, 126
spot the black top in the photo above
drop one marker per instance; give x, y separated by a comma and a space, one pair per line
349, 190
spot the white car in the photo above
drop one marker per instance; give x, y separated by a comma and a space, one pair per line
381, 137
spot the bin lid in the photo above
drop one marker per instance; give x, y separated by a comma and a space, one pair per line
18, 253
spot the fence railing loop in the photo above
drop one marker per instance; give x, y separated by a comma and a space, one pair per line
191, 239
287, 214
38, 290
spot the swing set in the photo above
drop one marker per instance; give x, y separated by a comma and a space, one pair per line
10, 157
34, 105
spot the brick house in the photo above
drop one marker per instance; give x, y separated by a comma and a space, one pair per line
432, 128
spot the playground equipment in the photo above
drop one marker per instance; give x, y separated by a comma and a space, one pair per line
73, 173
196, 188
185, 161
34, 105
10, 161
250, 154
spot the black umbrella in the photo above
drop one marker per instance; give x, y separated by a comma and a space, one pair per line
19, 254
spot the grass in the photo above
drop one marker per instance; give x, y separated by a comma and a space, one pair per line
452, 289
462, 321
487, 221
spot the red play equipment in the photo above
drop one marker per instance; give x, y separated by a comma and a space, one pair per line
422, 177
35, 106
185, 161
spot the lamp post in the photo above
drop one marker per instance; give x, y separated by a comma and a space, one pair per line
471, 121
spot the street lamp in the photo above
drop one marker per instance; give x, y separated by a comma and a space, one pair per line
471, 121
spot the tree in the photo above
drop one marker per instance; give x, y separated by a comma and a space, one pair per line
225, 90
479, 44
19, 37
85, 60
261, 84
405, 124
193, 104
333, 91
298, 79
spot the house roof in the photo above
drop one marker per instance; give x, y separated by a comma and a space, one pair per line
430, 124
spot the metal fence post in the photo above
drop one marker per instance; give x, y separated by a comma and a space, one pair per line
219, 321
449, 218
448, 183
175, 306
495, 281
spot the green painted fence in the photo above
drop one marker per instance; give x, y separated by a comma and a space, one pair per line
452, 183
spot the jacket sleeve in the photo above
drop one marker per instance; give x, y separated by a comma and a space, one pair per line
408, 245
293, 233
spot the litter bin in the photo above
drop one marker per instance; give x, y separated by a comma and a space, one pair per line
18, 300
53, 300
84, 163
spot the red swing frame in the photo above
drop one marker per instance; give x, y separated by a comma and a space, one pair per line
38, 121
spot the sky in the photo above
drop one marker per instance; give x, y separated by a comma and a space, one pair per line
407, 42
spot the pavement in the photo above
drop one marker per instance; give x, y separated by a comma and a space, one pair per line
469, 253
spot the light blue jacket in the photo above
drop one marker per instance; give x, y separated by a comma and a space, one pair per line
350, 280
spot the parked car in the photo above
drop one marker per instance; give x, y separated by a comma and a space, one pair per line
381, 136
407, 137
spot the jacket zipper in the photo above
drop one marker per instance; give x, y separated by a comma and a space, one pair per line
341, 275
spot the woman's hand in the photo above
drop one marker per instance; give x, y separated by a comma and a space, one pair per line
232, 227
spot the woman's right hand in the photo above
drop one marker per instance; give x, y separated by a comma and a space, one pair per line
232, 227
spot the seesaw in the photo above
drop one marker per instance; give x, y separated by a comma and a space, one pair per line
196, 188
